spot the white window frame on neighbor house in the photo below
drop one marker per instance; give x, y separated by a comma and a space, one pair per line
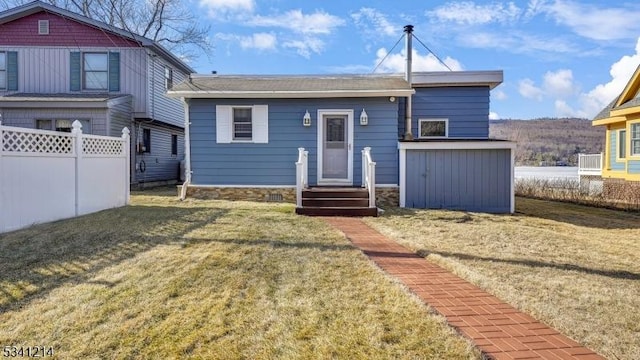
168, 78
225, 124
423, 121
621, 139
3, 70
63, 125
86, 71
634, 139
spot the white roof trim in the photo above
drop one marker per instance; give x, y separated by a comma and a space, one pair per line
457, 78
289, 94
456, 145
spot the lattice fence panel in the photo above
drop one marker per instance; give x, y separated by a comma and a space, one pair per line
100, 146
18, 141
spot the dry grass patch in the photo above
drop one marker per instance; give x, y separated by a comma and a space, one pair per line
207, 279
576, 268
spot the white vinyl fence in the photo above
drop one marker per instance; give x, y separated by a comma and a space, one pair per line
49, 175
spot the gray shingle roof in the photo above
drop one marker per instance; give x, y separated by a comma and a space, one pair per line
292, 86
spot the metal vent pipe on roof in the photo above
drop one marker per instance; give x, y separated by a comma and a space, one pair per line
408, 104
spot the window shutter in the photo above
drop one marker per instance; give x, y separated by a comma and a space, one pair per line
12, 71
114, 71
224, 120
75, 71
260, 124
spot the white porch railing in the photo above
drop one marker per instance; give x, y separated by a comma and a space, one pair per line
369, 175
590, 164
302, 174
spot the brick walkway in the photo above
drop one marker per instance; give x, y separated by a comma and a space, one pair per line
497, 328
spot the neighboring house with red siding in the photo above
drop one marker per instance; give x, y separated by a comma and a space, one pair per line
57, 66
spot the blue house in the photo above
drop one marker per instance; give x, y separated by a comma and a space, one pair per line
339, 143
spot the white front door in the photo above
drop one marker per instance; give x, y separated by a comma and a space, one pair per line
335, 147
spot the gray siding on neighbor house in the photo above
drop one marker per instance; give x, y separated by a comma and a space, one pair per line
274, 163
26, 117
467, 109
159, 164
120, 116
471, 180
160, 106
613, 154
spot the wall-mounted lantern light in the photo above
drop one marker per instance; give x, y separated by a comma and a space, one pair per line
364, 118
306, 120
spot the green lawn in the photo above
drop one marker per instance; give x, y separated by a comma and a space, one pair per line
207, 279
576, 268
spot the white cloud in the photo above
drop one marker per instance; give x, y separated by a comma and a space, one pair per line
470, 13
395, 63
593, 22
528, 89
260, 41
493, 115
306, 46
498, 94
517, 42
218, 8
318, 22
601, 95
560, 83
374, 23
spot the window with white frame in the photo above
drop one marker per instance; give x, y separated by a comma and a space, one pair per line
168, 78
3, 70
95, 71
635, 139
433, 128
63, 125
241, 123
622, 144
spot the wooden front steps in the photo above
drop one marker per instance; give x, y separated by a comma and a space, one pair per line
336, 201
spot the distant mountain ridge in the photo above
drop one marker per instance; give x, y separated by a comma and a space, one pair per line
548, 141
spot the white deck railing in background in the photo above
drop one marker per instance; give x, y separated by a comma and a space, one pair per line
369, 175
49, 175
302, 174
590, 164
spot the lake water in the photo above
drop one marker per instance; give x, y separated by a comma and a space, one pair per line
546, 172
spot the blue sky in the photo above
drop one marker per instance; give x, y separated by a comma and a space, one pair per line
560, 58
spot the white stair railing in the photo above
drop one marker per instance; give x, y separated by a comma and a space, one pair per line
369, 175
302, 174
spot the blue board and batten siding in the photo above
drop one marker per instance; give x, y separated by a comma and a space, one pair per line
274, 163
467, 109
471, 180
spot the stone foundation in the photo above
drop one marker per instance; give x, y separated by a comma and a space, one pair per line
248, 194
622, 190
388, 197
385, 197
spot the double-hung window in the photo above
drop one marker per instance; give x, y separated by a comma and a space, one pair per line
242, 124
95, 71
3, 71
635, 139
63, 125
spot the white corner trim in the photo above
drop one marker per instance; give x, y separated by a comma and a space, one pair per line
456, 145
403, 177
513, 179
